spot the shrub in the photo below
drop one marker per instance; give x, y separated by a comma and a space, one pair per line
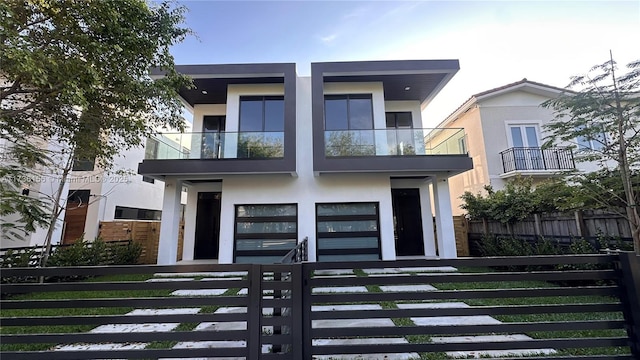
18, 258
124, 254
80, 253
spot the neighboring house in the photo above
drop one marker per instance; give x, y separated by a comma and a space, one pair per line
91, 195
505, 133
340, 157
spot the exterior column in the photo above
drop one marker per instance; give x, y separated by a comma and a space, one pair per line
444, 219
428, 237
169, 226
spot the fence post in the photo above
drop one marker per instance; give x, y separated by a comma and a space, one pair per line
537, 225
306, 323
580, 225
630, 282
254, 312
297, 311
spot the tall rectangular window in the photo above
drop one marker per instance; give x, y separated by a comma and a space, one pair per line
348, 231
261, 127
348, 112
348, 123
264, 233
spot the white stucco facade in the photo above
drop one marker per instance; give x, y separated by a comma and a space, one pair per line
305, 188
487, 119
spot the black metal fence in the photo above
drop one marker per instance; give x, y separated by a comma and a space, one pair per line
535, 158
572, 306
31, 255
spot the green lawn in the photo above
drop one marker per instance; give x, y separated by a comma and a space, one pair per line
371, 288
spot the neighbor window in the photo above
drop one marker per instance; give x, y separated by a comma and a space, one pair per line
592, 142
83, 164
123, 212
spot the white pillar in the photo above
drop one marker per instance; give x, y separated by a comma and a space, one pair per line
168, 245
387, 243
444, 219
428, 237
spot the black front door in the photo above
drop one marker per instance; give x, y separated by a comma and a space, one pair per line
207, 226
408, 222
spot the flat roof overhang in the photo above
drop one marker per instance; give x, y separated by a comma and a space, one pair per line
215, 78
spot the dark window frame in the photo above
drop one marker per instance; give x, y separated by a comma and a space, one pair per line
345, 234
263, 99
83, 164
141, 213
395, 119
148, 179
263, 219
348, 97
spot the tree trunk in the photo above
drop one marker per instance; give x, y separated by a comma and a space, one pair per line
56, 211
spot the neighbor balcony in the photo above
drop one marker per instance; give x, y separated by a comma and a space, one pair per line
394, 150
536, 160
206, 153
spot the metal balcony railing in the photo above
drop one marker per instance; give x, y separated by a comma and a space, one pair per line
395, 142
215, 145
535, 158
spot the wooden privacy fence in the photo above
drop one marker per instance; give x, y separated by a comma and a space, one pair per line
146, 233
588, 224
572, 306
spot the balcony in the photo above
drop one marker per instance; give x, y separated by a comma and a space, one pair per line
216, 153
394, 150
394, 142
216, 145
536, 160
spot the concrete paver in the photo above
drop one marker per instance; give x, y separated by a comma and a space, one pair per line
340, 289
491, 353
367, 341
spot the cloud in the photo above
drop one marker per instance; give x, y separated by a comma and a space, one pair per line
329, 39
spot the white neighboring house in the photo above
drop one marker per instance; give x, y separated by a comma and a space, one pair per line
505, 131
340, 157
92, 195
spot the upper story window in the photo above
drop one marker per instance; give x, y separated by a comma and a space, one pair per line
348, 112
595, 142
261, 113
399, 120
83, 164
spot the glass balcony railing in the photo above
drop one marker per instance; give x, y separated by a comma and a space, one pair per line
395, 142
215, 145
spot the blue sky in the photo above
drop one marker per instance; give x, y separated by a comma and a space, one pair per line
496, 42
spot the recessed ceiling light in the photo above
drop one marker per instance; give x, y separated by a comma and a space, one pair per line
204, 92
407, 88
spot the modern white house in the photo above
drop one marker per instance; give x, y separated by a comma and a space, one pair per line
505, 132
340, 157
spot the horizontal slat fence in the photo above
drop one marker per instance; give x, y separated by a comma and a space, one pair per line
33, 254
582, 306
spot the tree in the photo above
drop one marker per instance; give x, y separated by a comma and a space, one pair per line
74, 72
27, 212
604, 112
